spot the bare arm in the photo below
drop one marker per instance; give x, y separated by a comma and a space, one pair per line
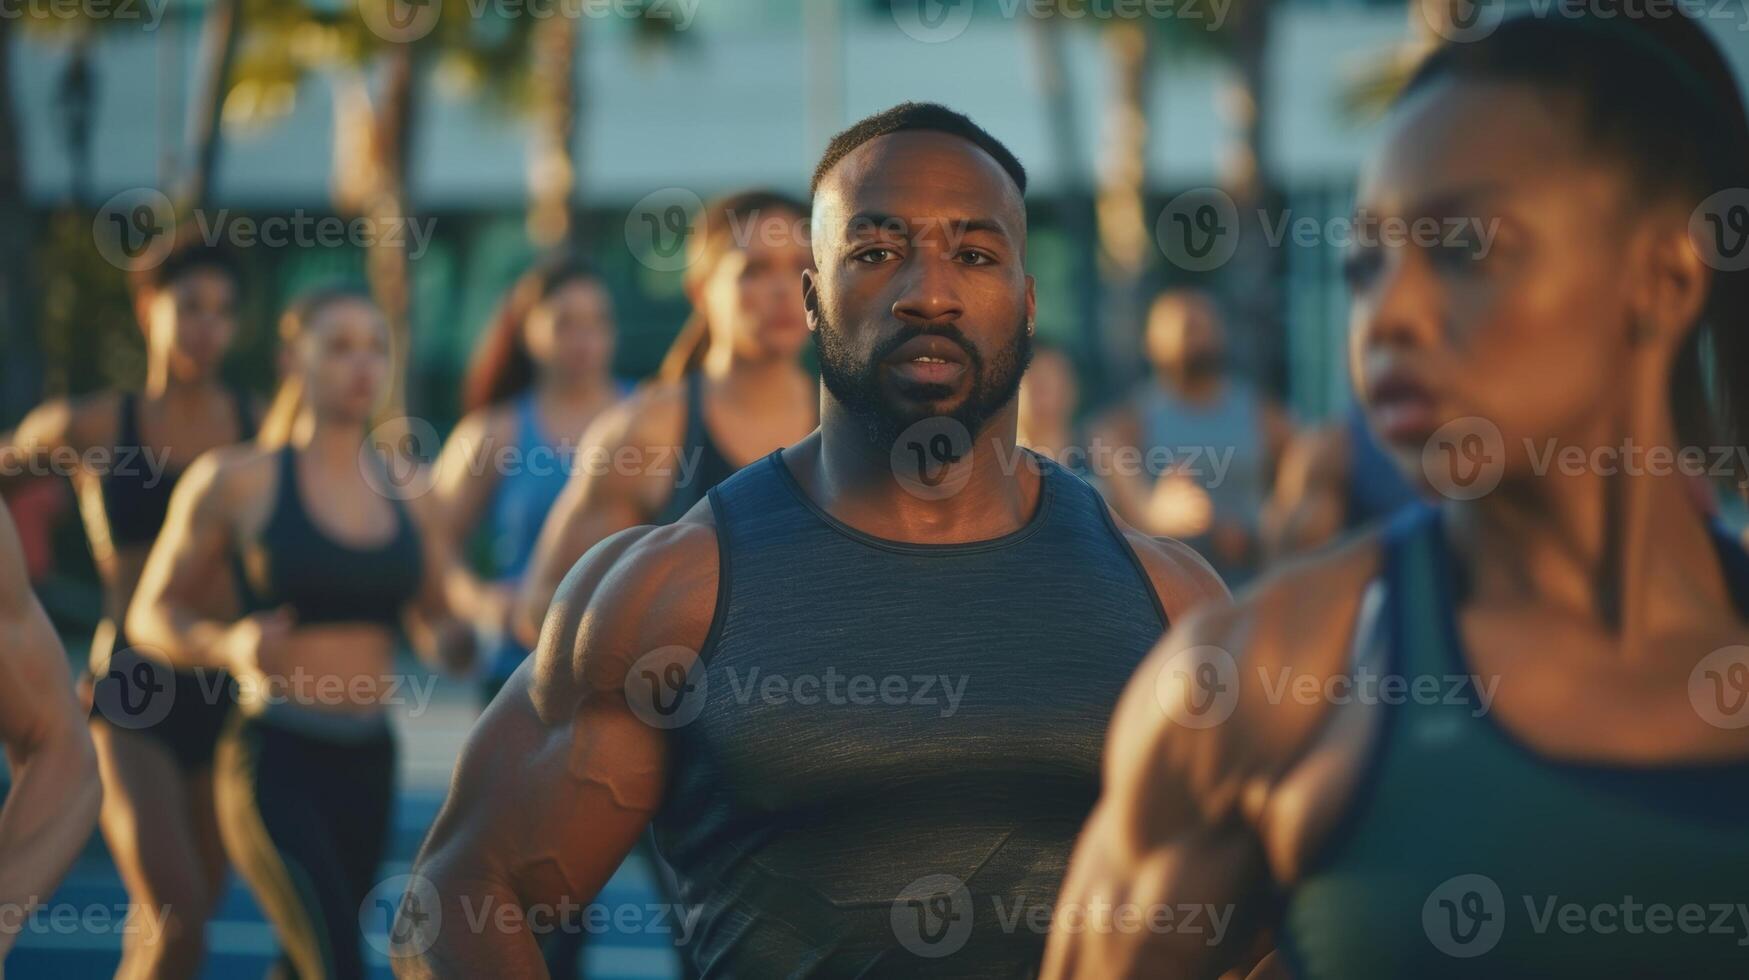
168, 611
464, 486
562, 773
51, 431
599, 500
1308, 505
52, 806
1198, 807
1126, 491
441, 639
1169, 831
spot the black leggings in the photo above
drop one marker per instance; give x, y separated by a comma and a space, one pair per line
306, 820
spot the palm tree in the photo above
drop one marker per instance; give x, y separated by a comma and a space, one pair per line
22, 374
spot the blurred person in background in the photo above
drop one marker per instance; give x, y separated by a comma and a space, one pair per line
1049, 395
1584, 743
52, 801
541, 375
1335, 478
155, 728
1209, 442
730, 391
332, 566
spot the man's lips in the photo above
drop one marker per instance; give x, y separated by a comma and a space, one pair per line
927, 359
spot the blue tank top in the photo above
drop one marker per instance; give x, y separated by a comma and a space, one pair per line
887, 749
525, 494
1376, 489
1466, 853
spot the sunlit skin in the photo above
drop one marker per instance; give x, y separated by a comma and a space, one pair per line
561, 736
570, 336
1591, 598
54, 795
342, 360
756, 399
1047, 402
157, 819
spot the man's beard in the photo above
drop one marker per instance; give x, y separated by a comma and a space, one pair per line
856, 385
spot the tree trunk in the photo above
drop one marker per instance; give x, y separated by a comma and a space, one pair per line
1074, 203
219, 33
20, 358
386, 263
1124, 232
552, 161
1258, 270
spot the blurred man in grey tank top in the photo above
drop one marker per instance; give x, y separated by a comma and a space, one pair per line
1207, 442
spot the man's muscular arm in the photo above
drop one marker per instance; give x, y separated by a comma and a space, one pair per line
562, 773
55, 795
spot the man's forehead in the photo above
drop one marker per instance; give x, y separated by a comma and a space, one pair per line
918, 175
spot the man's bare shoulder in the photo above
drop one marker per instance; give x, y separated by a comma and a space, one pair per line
1181, 577
1205, 717
641, 591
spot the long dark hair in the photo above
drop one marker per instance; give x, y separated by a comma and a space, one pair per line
1655, 95
501, 367
712, 237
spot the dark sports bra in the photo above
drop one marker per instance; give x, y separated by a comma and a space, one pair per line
702, 465
296, 564
135, 499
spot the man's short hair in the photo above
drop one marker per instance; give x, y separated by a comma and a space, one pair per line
914, 116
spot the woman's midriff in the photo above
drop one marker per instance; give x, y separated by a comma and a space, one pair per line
347, 668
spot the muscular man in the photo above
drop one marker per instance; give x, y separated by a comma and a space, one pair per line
859, 691
51, 808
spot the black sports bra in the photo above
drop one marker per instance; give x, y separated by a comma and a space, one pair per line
296, 564
135, 499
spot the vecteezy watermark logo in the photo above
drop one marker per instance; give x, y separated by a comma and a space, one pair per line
1463, 21
1718, 687
1464, 916
135, 229
1198, 230
932, 917
1198, 687
396, 457
1465, 458
666, 687
401, 916
932, 459
1719, 228
137, 690
658, 225
932, 21
400, 21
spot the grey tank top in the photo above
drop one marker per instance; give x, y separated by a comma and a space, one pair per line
1218, 445
892, 746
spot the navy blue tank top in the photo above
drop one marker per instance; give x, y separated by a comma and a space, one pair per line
135, 499
295, 563
702, 465
889, 748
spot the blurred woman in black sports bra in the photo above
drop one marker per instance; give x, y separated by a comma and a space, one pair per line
331, 564
154, 728
729, 392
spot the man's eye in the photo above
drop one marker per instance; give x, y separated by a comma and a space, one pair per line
874, 255
975, 258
